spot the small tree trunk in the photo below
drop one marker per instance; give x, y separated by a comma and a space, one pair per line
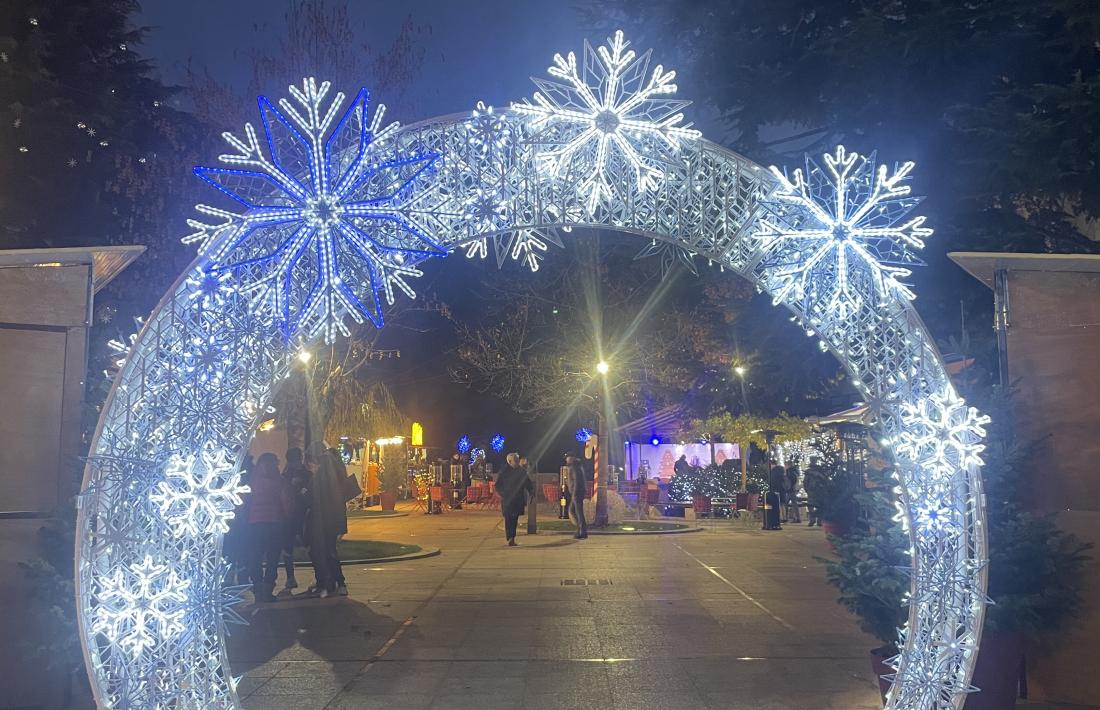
532, 509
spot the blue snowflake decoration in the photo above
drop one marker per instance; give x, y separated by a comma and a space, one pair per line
497, 443
330, 222
463, 444
584, 434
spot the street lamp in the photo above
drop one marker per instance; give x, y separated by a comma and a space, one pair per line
740, 370
602, 367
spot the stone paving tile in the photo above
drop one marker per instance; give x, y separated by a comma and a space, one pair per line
493, 627
369, 700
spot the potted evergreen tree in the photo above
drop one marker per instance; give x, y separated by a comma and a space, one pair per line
1035, 574
393, 476
869, 570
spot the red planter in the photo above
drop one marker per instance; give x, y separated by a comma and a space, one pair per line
834, 527
879, 668
701, 504
997, 673
748, 501
388, 500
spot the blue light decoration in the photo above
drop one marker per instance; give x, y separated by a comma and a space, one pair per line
497, 443
584, 434
463, 444
475, 454
329, 224
656, 440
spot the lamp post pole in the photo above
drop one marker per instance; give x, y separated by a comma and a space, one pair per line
599, 466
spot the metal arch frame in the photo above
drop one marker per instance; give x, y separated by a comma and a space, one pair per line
170, 399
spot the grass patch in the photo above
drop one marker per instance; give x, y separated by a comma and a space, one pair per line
363, 550
626, 527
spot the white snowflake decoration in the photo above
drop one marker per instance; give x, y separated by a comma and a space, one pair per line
328, 224
490, 208
607, 115
833, 237
141, 605
941, 435
199, 493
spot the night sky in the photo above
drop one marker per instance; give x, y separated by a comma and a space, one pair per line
485, 50
473, 51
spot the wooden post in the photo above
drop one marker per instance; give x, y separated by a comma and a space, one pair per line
532, 509
744, 451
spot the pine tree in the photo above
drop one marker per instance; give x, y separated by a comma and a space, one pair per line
92, 151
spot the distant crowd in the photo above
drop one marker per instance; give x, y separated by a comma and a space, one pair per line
301, 506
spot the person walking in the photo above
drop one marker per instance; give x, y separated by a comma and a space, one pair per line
681, 467
794, 485
815, 489
326, 521
643, 496
298, 480
513, 487
773, 501
578, 491
267, 524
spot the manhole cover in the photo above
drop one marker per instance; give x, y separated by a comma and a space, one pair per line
585, 582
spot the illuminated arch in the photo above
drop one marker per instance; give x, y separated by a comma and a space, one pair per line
335, 213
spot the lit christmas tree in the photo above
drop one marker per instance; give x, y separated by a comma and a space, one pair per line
668, 466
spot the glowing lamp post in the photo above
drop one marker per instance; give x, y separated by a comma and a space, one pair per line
598, 465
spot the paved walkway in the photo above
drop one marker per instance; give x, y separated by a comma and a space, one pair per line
726, 618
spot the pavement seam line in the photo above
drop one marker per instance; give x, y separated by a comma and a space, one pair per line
412, 618
740, 591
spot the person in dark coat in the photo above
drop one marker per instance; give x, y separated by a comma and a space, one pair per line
681, 467
299, 481
513, 487
777, 484
326, 521
794, 477
266, 521
578, 491
815, 481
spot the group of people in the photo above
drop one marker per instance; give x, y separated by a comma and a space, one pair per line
302, 505
781, 501
515, 485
